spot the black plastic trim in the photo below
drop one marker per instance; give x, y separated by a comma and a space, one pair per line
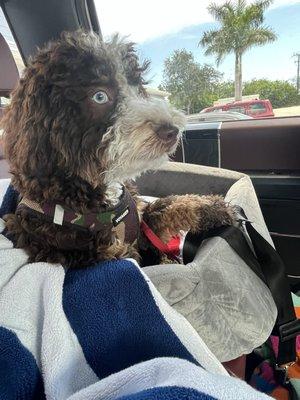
35, 22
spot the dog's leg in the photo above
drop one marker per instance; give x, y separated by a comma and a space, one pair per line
170, 215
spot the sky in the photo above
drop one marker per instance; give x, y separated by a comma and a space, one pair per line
168, 25
141, 21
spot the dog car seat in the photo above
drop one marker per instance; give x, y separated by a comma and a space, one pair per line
179, 178
181, 286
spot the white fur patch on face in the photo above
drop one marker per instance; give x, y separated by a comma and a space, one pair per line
135, 147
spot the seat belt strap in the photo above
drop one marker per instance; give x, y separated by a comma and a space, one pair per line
268, 266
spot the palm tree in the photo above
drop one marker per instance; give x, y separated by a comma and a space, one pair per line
241, 28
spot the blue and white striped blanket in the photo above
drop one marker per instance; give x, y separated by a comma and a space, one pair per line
102, 332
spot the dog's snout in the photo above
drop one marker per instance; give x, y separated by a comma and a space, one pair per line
167, 132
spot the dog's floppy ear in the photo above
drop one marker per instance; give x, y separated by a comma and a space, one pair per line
128, 60
133, 69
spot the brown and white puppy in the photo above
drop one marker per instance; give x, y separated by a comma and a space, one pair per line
80, 126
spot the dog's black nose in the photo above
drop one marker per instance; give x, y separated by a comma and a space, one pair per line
167, 132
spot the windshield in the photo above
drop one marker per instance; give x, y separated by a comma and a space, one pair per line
5, 32
204, 54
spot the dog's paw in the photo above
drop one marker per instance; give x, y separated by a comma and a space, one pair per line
215, 212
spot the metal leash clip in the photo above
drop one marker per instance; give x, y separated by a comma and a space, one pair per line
241, 215
281, 372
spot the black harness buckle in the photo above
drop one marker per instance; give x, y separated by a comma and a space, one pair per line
289, 330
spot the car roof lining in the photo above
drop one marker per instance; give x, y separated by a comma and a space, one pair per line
35, 22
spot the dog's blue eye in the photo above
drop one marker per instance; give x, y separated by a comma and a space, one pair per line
100, 97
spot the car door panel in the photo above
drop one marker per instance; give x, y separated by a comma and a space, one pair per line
267, 150
266, 145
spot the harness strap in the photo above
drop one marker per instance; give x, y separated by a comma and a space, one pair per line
287, 325
122, 218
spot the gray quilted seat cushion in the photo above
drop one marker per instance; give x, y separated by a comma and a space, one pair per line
229, 306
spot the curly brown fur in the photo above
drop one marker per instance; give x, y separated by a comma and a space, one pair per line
172, 214
65, 147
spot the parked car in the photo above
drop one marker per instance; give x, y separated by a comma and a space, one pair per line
254, 108
217, 116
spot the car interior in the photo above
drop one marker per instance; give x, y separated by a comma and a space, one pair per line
211, 156
267, 151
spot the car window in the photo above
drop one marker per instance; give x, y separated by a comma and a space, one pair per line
6, 33
197, 60
4, 101
237, 109
188, 66
257, 108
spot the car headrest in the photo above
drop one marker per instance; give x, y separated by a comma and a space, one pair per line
9, 75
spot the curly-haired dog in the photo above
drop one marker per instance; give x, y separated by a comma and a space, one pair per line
80, 126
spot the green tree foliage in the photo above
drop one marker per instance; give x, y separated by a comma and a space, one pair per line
280, 93
191, 85
225, 89
194, 87
241, 28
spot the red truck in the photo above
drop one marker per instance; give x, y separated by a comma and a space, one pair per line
254, 108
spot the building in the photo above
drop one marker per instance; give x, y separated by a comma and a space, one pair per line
159, 94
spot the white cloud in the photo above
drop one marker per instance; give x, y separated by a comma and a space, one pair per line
278, 3
143, 20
